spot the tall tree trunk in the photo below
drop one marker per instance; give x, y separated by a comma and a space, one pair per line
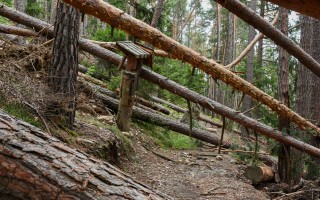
247, 102
64, 66
283, 96
53, 11
303, 96
314, 165
157, 13
260, 45
20, 5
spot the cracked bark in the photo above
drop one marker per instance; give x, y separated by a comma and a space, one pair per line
34, 165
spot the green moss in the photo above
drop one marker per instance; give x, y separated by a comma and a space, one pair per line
20, 111
166, 138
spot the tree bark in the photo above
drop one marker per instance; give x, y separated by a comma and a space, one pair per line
34, 165
310, 7
259, 174
111, 57
140, 30
19, 5
284, 161
247, 102
157, 13
64, 64
274, 34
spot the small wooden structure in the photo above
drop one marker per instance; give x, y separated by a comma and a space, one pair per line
129, 81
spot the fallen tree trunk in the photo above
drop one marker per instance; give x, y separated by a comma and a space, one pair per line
119, 19
16, 30
103, 89
159, 120
182, 110
163, 82
265, 27
310, 7
34, 165
259, 174
234, 115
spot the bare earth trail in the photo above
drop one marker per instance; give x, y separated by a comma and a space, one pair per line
192, 175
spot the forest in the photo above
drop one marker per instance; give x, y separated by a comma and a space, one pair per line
159, 99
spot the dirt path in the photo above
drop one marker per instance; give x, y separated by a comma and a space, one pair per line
193, 175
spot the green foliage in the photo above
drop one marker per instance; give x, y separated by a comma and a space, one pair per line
166, 138
109, 34
35, 8
20, 111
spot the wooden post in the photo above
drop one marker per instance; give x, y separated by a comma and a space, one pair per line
129, 82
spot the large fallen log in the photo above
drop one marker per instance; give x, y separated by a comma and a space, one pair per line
111, 57
310, 7
34, 165
119, 19
156, 119
234, 115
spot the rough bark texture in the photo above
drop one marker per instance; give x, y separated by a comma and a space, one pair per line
64, 65
157, 13
111, 57
310, 7
247, 102
140, 30
308, 91
284, 167
274, 34
34, 165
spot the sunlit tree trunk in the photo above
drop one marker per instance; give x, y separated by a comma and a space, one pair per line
284, 165
64, 64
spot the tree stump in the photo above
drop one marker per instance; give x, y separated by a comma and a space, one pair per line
258, 174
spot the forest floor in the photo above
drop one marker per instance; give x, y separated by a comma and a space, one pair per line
196, 174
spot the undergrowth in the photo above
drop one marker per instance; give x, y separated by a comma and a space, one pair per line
165, 138
20, 111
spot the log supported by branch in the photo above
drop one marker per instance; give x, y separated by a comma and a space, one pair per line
111, 57
310, 7
156, 119
119, 19
34, 165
